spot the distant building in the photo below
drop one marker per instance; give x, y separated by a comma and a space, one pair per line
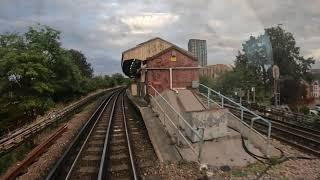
214, 71
315, 89
199, 49
315, 71
312, 89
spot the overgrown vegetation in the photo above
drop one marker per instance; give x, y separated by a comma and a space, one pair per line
253, 67
36, 72
18, 154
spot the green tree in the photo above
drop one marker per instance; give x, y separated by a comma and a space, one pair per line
258, 53
293, 66
253, 66
81, 61
46, 40
68, 78
119, 79
24, 77
36, 72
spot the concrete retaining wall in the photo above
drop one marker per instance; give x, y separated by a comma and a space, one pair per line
213, 121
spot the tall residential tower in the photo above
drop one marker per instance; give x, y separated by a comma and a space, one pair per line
199, 49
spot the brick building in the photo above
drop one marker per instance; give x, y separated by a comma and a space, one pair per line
171, 68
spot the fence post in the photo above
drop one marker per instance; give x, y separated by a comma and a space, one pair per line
222, 101
208, 98
201, 128
241, 114
242, 124
164, 118
268, 143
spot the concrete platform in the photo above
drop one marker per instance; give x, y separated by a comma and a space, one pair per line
163, 146
188, 101
227, 150
223, 143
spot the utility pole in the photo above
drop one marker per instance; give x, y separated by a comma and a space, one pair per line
254, 94
241, 94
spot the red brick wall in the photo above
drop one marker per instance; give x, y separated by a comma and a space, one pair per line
181, 78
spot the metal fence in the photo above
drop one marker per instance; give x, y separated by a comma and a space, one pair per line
171, 115
216, 98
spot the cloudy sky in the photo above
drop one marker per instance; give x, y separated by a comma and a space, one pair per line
102, 29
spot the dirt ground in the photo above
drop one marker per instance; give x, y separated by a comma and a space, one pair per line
180, 170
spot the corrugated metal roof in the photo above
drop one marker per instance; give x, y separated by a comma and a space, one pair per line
153, 39
187, 53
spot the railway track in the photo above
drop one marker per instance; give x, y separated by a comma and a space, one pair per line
108, 146
117, 157
298, 136
17, 137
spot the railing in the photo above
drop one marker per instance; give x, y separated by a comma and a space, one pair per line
221, 101
290, 116
157, 97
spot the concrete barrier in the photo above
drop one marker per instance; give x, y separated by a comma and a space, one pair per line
212, 121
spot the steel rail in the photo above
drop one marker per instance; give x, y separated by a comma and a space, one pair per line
128, 140
272, 117
287, 128
33, 155
296, 141
89, 134
54, 173
102, 169
103, 164
313, 134
291, 142
279, 121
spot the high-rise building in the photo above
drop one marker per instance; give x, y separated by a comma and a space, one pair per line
199, 49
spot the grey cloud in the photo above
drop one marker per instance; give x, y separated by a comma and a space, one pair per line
98, 29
